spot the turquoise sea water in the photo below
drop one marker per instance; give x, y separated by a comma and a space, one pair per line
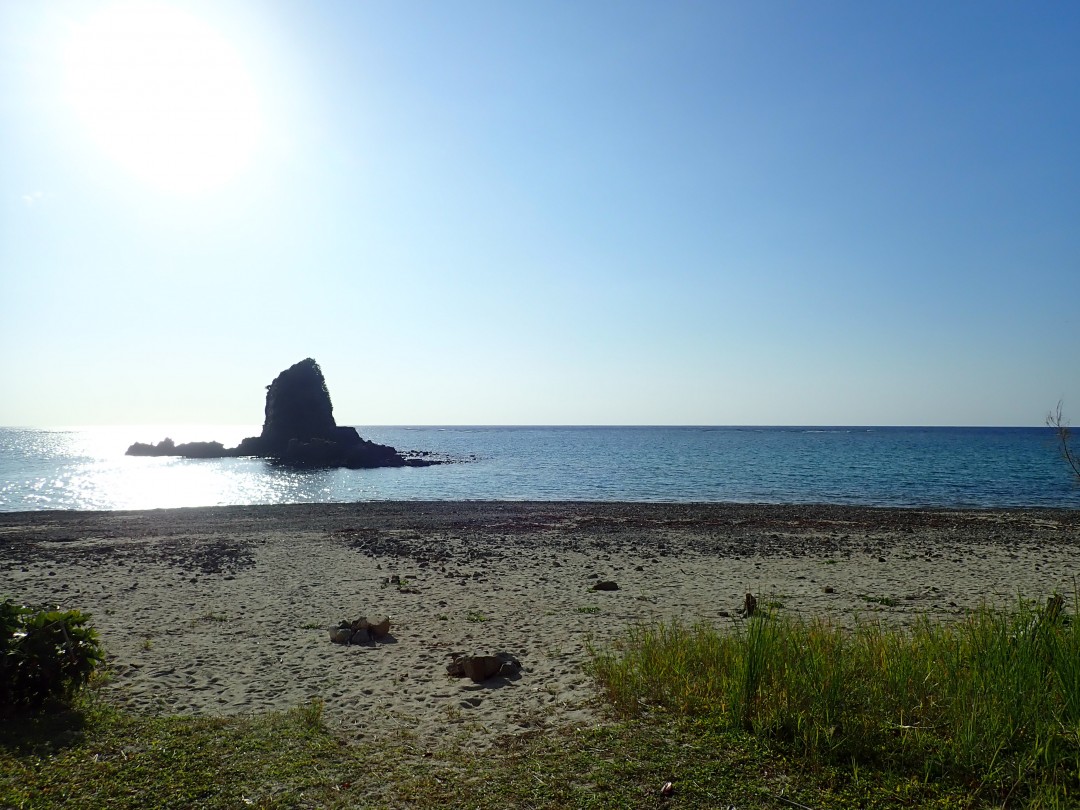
86, 468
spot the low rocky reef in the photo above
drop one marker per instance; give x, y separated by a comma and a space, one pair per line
299, 430
167, 447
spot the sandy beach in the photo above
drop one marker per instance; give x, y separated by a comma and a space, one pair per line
228, 610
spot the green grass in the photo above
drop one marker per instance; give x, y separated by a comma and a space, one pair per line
97, 757
983, 712
211, 616
991, 702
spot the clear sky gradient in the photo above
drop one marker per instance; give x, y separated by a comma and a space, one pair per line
541, 213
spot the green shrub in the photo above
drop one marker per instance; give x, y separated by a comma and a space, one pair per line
44, 653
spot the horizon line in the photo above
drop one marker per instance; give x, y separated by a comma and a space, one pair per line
568, 425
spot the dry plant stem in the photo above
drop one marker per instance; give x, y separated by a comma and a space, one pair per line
1057, 421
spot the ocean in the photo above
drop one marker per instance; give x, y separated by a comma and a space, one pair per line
86, 469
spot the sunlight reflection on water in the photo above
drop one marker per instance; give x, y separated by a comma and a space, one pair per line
86, 468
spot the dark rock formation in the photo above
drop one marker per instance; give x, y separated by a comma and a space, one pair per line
166, 447
298, 408
299, 429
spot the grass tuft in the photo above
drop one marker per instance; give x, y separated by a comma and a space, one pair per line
991, 700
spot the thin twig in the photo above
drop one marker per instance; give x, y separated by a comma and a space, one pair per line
790, 803
1055, 420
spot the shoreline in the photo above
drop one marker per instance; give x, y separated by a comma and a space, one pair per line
226, 610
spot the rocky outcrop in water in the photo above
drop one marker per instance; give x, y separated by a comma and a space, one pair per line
167, 447
299, 429
298, 408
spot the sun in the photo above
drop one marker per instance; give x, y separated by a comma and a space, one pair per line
164, 95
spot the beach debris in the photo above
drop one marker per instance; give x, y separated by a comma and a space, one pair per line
361, 636
606, 585
379, 627
1054, 604
479, 668
341, 635
749, 605
361, 631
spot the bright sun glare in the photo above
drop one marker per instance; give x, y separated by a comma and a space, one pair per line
164, 95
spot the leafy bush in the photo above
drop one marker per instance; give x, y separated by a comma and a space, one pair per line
44, 653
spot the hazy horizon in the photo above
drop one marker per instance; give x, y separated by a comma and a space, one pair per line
257, 426
739, 214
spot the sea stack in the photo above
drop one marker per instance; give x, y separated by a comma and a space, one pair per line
299, 429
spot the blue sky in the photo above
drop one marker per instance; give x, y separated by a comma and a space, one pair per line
549, 213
